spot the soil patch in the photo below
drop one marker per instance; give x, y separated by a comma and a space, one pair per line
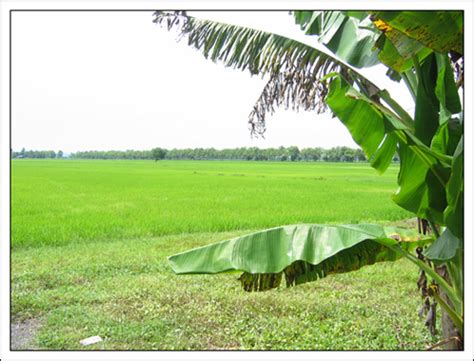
23, 335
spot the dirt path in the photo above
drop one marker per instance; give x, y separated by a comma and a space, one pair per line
23, 335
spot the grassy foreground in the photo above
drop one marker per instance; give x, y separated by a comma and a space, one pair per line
90, 241
126, 293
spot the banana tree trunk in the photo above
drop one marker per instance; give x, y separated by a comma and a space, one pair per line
450, 332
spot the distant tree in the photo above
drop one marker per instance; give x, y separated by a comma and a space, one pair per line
60, 154
293, 153
158, 154
359, 155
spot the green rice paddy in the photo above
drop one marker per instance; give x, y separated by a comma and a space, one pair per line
56, 202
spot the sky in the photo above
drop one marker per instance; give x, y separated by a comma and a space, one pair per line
116, 80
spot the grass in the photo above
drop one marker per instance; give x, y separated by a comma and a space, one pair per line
90, 242
126, 293
55, 202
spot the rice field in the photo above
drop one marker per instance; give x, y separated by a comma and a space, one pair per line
56, 202
90, 241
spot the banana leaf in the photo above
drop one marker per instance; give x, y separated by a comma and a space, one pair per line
296, 69
446, 90
454, 212
365, 123
397, 50
299, 253
441, 31
349, 35
444, 248
427, 104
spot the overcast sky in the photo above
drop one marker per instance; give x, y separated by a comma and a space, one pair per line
116, 80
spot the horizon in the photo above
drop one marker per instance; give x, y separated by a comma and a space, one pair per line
143, 150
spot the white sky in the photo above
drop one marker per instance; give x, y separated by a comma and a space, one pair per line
116, 80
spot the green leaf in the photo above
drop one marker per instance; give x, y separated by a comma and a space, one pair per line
353, 42
412, 193
304, 17
455, 271
364, 122
444, 248
384, 155
421, 178
427, 104
447, 137
358, 14
300, 253
349, 35
397, 50
441, 31
446, 90
454, 213
437, 193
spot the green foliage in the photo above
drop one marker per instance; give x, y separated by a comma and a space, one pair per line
441, 31
158, 153
427, 105
365, 122
335, 154
112, 154
361, 38
446, 89
397, 50
411, 193
292, 153
41, 154
57, 202
444, 248
454, 212
350, 38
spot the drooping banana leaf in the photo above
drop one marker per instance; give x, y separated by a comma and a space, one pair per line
296, 69
299, 253
244, 48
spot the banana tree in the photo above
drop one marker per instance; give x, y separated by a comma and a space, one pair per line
421, 49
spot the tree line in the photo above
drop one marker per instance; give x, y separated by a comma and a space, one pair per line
37, 154
283, 154
293, 153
